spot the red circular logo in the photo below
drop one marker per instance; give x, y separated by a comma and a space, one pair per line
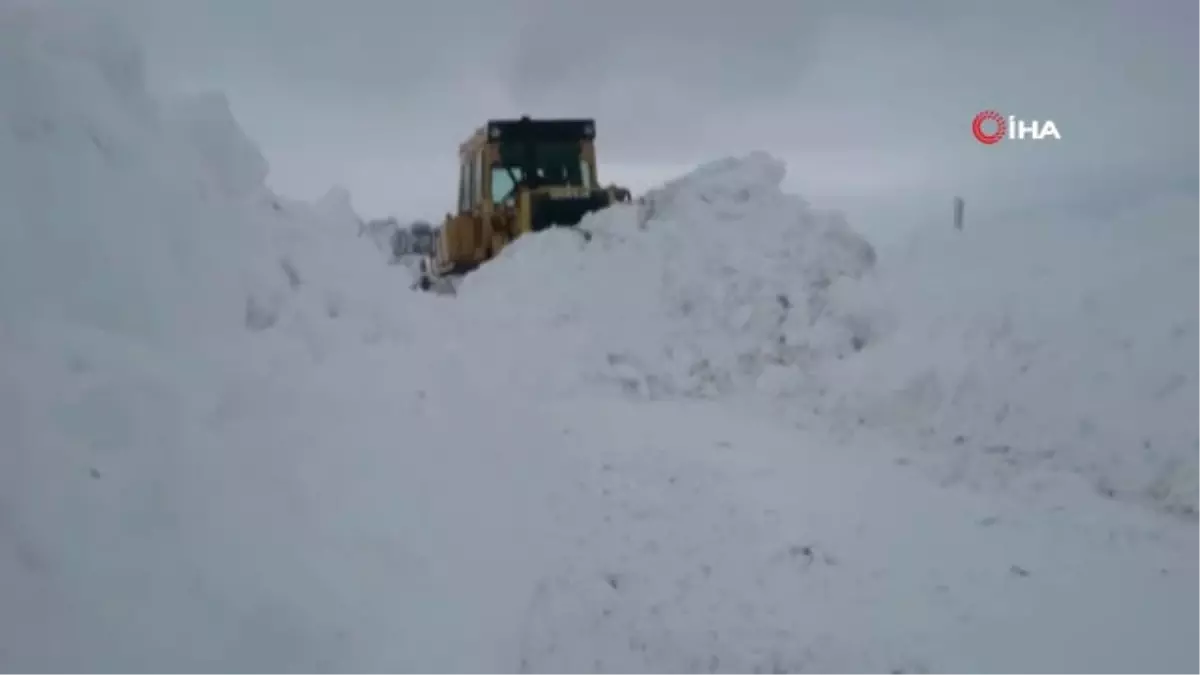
985, 137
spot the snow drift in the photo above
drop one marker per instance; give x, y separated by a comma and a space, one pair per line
86, 238
1054, 343
701, 290
144, 216
151, 288
1016, 349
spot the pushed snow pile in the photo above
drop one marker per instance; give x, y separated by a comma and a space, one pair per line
338, 293
150, 219
150, 290
703, 290
108, 212
233, 165
1066, 343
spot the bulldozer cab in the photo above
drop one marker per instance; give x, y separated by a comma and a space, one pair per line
547, 154
525, 159
515, 177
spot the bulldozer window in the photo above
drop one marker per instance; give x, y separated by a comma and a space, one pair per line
551, 163
463, 177
503, 182
477, 178
471, 189
585, 174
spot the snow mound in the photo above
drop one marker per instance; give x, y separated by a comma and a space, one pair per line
1064, 343
151, 289
148, 217
338, 295
108, 219
699, 291
234, 167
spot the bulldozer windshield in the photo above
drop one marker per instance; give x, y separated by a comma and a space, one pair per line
534, 164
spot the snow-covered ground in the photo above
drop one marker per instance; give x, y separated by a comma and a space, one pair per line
727, 434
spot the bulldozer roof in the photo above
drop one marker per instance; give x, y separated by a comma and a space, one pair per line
527, 130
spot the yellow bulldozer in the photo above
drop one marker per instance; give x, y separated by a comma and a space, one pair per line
517, 176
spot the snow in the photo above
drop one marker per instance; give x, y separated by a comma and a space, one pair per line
720, 275
758, 552
235, 441
1005, 349
1082, 360
79, 137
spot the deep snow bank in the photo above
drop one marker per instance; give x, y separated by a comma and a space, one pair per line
150, 287
705, 289
111, 217
1063, 344
148, 218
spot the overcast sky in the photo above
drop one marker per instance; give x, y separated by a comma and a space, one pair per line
863, 98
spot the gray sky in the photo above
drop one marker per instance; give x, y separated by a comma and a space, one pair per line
870, 102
